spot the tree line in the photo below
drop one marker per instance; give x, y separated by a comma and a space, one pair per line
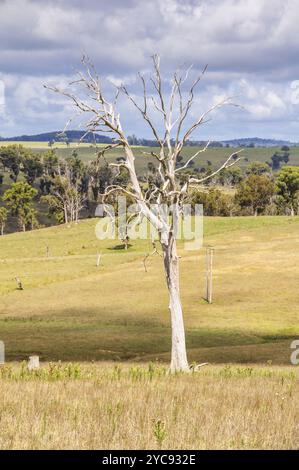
256, 191
65, 186
68, 187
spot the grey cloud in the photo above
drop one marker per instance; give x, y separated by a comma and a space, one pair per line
122, 34
240, 40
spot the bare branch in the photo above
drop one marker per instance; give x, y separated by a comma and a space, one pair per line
193, 156
226, 164
184, 109
154, 252
143, 111
201, 120
117, 188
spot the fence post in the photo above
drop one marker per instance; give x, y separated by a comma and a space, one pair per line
209, 274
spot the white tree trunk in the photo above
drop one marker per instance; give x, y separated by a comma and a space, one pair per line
179, 360
292, 210
65, 214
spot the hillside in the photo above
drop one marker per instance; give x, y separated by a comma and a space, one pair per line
216, 156
76, 135
72, 310
259, 142
58, 136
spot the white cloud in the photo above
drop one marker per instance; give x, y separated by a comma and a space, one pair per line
251, 48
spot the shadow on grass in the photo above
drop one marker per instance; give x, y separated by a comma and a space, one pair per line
120, 247
86, 337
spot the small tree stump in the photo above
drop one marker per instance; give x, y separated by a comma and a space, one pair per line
33, 363
19, 283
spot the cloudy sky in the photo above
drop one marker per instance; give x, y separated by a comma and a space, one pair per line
251, 48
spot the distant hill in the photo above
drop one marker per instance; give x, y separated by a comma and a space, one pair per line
57, 136
258, 142
76, 136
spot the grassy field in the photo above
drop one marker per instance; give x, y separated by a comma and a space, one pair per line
72, 310
103, 336
77, 406
215, 155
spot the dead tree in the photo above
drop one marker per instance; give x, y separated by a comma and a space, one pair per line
88, 98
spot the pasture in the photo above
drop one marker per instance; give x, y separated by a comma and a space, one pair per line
72, 310
216, 156
103, 336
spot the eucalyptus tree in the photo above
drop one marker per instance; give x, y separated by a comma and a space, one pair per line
19, 199
173, 108
288, 188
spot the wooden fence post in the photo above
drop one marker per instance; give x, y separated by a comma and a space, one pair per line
209, 274
99, 259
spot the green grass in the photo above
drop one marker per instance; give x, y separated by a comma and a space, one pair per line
215, 155
72, 310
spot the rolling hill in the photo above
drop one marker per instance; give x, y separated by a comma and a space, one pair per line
70, 309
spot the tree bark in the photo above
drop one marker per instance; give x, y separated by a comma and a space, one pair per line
179, 360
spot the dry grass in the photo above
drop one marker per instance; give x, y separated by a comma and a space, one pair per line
140, 407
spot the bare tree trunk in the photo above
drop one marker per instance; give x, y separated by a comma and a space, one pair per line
179, 360
76, 211
65, 214
292, 210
